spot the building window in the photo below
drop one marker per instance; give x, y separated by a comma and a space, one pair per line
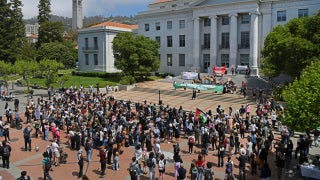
245, 19
158, 39
206, 22
206, 61
169, 24
159, 57
95, 59
182, 40
169, 59
244, 59
281, 16
182, 24
157, 26
303, 13
169, 41
206, 41
95, 42
173, 5
225, 20
146, 27
245, 40
86, 43
225, 40
225, 60
182, 59
86, 57
162, 7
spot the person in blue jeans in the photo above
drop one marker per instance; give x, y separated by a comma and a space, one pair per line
45, 171
116, 161
152, 167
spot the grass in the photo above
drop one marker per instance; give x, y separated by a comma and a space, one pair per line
77, 80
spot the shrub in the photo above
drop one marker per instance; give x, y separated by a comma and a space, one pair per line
127, 80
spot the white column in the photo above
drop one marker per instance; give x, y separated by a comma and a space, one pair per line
213, 41
254, 43
196, 43
233, 40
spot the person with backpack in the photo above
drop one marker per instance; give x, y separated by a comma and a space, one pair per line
46, 166
229, 167
182, 173
151, 163
6, 132
221, 154
242, 164
24, 176
162, 166
208, 172
134, 169
5, 151
200, 164
193, 172
191, 141
27, 137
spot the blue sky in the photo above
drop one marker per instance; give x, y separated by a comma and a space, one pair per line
90, 7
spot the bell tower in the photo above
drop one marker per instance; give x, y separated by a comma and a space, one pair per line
77, 17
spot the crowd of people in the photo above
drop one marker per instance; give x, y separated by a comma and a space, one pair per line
93, 120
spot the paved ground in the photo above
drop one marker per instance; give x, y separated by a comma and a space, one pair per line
31, 161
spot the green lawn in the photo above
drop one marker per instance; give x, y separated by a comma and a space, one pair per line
77, 80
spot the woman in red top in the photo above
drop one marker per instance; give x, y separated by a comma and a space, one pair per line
200, 164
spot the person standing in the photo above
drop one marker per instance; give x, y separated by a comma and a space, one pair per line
46, 166
182, 173
103, 161
88, 147
80, 162
265, 172
5, 151
162, 166
194, 94
133, 169
27, 138
56, 153
24, 176
6, 132
191, 141
151, 163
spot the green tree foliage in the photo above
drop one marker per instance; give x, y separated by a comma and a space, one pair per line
135, 55
5, 71
12, 30
61, 52
26, 68
291, 47
302, 99
50, 32
49, 69
44, 7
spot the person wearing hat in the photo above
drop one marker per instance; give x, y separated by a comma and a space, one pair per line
24, 176
80, 162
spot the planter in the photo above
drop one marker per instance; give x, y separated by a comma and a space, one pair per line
125, 87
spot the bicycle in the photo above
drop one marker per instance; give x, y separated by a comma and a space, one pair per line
16, 123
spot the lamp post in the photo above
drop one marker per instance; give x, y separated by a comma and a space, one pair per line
160, 102
78, 71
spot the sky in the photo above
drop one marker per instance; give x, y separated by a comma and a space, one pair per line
89, 7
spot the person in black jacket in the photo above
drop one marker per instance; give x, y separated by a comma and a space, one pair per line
5, 151
182, 173
265, 172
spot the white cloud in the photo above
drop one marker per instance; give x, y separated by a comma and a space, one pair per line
90, 7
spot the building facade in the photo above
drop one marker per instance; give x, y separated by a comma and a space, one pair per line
198, 34
95, 46
77, 16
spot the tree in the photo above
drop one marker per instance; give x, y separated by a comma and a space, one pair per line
291, 47
17, 28
61, 52
26, 68
48, 31
135, 55
302, 99
49, 69
5, 71
12, 30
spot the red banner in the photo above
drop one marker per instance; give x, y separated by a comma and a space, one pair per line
219, 71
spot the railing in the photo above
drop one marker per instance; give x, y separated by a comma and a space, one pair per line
90, 48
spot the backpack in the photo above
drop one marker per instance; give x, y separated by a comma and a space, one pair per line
133, 169
6, 151
162, 163
229, 167
191, 140
47, 165
150, 163
208, 174
194, 173
7, 113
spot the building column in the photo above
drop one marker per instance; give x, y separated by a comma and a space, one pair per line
233, 40
196, 43
254, 43
213, 42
